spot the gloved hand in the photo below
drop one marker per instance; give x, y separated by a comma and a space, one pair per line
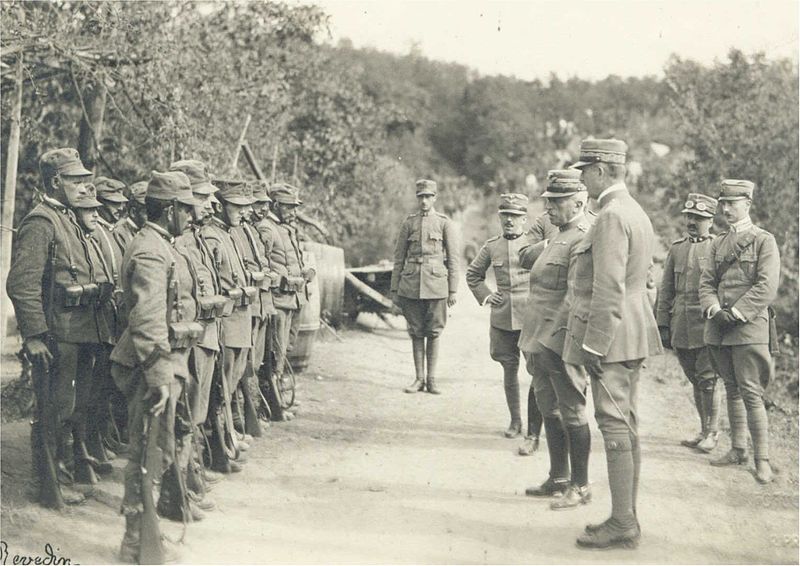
593, 364
725, 319
666, 339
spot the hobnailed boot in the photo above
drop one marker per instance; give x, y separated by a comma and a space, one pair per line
514, 429
529, 446
733, 457
432, 357
416, 387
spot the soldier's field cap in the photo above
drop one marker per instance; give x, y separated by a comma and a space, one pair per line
234, 191
736, 189
701, 205
513, 203
285, 193
426, 187
563, 183
85, 197
65, 161
172, 185
601, 151
198, 175
110, 190
260, 191
138, 191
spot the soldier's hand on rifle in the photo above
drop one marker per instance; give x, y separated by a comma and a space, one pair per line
38, 353
495, 299
451, 299
161, 393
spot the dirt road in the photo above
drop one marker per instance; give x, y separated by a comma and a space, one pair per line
367, 474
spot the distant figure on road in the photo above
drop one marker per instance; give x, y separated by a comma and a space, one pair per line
737, 287
501, 253
680, 317
611, 328
425, 280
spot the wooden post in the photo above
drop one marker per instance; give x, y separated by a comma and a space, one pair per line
274, 162
294, 171
238, 147
91, 128
9, 197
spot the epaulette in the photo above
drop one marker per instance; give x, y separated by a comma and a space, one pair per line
494, 239
679, 240
440, 215
412, 215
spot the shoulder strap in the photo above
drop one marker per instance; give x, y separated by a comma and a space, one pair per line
733, 257
114, 271
173, 284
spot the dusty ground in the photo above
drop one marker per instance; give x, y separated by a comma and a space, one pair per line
367, 474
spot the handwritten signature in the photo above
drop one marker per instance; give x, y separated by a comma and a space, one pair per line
48, 558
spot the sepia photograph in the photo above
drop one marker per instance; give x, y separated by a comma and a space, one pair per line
399, 282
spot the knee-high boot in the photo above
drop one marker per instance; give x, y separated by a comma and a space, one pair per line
418, 350
511, 387
558, 448
432, 356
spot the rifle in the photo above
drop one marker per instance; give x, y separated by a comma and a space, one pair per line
151, 550
248, 404
228, 438
44, 427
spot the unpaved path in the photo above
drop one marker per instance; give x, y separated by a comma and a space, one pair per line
367, 474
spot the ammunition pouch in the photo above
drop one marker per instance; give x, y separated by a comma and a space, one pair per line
249, 295
260, 280
210, 307
79, 295
292, 284
184, 334
235, 295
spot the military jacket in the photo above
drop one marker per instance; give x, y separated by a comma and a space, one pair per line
249, 243
678, 297
193, 248
426, 257
51, 248
610, 313
236, 328
124, 231
750, 284
286, 258
542, 323
157, 284
111, 311
502, 255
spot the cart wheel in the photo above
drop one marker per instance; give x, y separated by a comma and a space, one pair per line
286, 387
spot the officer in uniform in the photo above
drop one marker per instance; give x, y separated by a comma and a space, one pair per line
508, 302
425, 280
611, 328
127, 226
53, 285
560, 389
680, 318
150, 360
737, 286
279, 234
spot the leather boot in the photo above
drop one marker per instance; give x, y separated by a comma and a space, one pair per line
529, 446
733, 457
708, 443
511, 388
432, 357
418, 350
610, 534
558, 449
84, 464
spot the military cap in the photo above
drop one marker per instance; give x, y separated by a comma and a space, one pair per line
701, 205
172, 185
285, 193
234, 191
513, 203
601, 151
110, 190
736, 189
85, 197
260, 191
426, 187
198, 176
65, 161
138, 191
563, 183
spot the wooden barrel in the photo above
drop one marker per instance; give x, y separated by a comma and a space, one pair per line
307, 322
330, 277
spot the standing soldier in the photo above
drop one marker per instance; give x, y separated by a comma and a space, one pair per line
425, 280
560, 388
737, 287
680, 318
611, 328
236, 338
111, 194
279, 234
150, 360
51, 283
508, 301
127, 226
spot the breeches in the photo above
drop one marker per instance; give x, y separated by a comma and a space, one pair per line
560, 388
